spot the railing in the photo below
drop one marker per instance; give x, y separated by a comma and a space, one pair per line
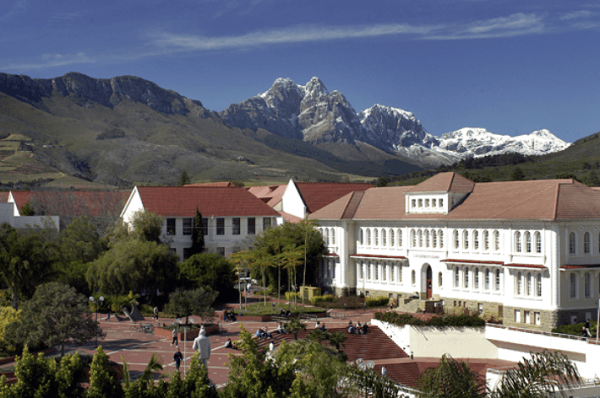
541, 332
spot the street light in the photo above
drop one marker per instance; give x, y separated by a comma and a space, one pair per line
93, 301
184, 341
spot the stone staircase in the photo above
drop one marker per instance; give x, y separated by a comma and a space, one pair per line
371, 346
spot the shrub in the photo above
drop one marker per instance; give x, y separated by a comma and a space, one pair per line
377, 301
326, 298
575, 330
438, 321
290, 296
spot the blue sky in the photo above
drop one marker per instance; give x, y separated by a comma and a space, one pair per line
509, 66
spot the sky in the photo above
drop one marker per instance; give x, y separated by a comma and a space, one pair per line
511, 67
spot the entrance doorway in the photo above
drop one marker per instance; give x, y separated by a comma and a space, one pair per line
429, 283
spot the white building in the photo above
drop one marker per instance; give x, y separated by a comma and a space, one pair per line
526, 251
230, 215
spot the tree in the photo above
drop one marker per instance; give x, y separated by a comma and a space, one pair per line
211, 271
517, 174
104, 382
25, 261
539, 376
184, 178
197, 235
451, 378
134, 265
147, 226
27, 210
295, 325
55, 315
192, 302
8, 315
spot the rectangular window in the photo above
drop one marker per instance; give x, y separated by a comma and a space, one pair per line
527, 317
235, 223
220, 226
170, 226
187, 226
251, 225
517, 316
204, 226
441, 202
537, 318
266, 223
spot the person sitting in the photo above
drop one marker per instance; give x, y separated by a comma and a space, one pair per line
351, 329
260, 334
323, 327
358, 328
229, 344
288, 314
281, 328
364, 328
318, 325
266, 333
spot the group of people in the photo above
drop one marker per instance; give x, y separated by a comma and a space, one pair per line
229, 316
358, 329
285, 314
321, 326
262, 333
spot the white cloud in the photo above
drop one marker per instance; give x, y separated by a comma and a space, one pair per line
576, 15
50, 61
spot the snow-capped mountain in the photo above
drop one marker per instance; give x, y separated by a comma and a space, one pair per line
313, 114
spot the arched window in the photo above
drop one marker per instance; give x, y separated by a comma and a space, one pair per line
475, 240
368, 237
399, 238
376, 267
327, 236
486, 240
466, 278
497, 280
518, 242
529, 284
586, 243
441, 236
456, 241
476, 278
519, 283
465, 236
456, 277
496, 240
572, 243
392, 238
361, 273
384, 272
539, 285
426, 238
383, 238
528, 242
433, 239
360, 237
538, 242
587, 285
440, 279
487, 279
413, 237
572, 286
376, 235
392, 271
333, 236
413, 277
370, 271
420, 233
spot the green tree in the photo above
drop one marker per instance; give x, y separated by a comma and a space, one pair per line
55, 315
192, 302
197, 235
211, 271
451, 378
25, 261
27, 210
147, 226
70, 376
104, 382
8, 315
134, 265
252, 376
196, 383
539, 376
517, 174
184, 178
295, 325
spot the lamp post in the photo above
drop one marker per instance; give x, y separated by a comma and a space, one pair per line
93, 301
184, 341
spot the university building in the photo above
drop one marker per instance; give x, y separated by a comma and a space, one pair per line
524, 251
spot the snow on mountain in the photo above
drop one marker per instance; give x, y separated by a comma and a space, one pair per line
315, 115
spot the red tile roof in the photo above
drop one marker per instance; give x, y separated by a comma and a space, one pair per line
289, 217
580, 266
217, 201
3, 197
548, 200
211, 184
445, 182
472, 262
534, 266
270, 194
377, 256
317, 195
74, 203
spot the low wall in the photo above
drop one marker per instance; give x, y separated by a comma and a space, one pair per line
427, 341
191, 334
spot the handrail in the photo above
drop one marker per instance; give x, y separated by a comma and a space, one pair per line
534, 331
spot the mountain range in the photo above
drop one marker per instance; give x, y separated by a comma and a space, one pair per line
129, 130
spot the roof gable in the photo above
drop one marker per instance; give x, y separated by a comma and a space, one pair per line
445, 182
317, 195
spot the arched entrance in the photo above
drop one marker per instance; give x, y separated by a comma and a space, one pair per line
429, 281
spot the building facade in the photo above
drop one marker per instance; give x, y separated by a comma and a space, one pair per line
231, 216
527, 252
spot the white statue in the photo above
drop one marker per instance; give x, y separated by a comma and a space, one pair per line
202, 344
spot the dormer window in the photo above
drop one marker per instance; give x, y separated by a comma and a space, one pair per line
426, 202
414, 203
420, 202
440, 203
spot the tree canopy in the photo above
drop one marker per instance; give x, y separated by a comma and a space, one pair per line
183, 303
211, 271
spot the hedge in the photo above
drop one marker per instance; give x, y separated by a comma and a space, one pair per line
438, 321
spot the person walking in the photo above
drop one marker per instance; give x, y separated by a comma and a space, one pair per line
175, 338
177, 357
107, 316
383, 371
155, 313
